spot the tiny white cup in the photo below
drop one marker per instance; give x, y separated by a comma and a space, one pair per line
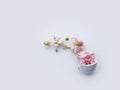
87, 68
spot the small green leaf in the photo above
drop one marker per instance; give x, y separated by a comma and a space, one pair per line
56, 50
67, 38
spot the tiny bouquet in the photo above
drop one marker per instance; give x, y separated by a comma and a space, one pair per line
85, 57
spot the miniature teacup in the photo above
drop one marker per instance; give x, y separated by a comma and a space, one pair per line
87, 68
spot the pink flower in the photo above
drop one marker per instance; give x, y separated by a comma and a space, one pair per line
77, 42
86, 57
62, 44
77, 45
77, 49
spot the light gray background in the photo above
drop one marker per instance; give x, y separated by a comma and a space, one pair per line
26, 65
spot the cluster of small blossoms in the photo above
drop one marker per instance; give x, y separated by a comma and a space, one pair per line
77, 46
58, 42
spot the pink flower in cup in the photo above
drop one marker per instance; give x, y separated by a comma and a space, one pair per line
86, 57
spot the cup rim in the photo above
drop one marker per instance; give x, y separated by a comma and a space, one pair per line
89, 64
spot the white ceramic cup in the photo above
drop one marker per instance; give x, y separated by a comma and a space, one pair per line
87, 68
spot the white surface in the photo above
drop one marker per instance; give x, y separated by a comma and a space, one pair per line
26, 65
